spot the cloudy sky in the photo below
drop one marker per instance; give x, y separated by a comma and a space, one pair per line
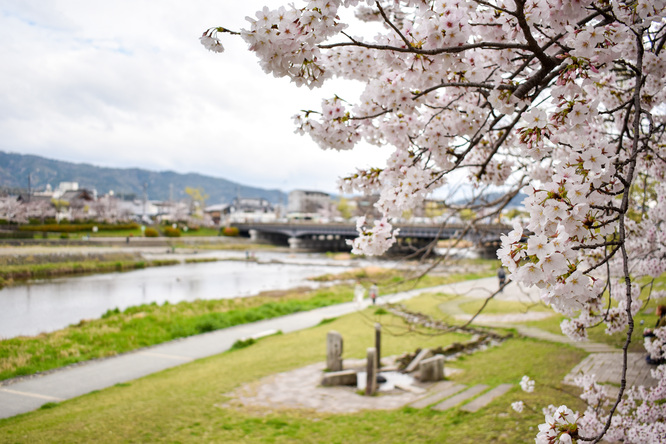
126, 83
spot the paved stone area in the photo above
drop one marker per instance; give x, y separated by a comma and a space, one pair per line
301, 389
461, 397
486, 398
443, 391
607, 368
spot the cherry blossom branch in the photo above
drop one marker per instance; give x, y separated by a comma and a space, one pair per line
411, 49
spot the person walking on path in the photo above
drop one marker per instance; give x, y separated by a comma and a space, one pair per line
374, 292
501, 275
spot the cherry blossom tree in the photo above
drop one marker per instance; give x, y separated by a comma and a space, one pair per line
562, 99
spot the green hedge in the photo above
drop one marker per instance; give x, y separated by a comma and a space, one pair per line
16, 235
151, 232
77, 228
171, 232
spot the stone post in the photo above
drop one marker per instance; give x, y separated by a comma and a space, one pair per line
432, 369
371, 381
334, 351
378, 344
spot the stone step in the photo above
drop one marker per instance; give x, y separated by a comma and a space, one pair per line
445, 390
460, 397
486, 398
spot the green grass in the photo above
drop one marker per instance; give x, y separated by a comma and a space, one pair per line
185, 404
11, 273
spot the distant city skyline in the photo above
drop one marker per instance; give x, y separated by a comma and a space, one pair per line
127, 85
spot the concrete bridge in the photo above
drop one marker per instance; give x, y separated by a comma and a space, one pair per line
333, 236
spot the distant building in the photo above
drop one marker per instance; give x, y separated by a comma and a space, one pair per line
365, 206
64, 187
218, 213
248, 209
306, 204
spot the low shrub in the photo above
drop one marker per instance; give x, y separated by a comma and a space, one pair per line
230, 231
243, 343
171, 232
151, 232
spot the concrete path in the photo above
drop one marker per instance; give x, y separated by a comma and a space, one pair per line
27, 394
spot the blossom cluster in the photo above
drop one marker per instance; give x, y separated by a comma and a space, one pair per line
640, 416
373, 240
560, 427
527, 384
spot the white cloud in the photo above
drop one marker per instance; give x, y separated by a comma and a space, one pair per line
127, 84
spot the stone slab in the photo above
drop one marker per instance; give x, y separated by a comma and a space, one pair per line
344, 377
448, 389
460, 397
423, 354
486, 398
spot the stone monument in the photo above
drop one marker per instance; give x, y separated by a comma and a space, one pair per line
371, 381
334, 351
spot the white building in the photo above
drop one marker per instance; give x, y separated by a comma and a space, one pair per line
309, 204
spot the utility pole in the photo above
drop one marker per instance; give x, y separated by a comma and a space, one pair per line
145, 198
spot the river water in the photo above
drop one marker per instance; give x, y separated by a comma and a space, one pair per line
49, 305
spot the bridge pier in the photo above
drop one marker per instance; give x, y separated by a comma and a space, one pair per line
267, 237
321, 242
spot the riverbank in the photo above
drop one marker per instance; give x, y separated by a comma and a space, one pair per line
21, 263
190, 403
145, 325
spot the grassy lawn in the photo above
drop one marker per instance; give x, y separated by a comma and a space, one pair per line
183, 404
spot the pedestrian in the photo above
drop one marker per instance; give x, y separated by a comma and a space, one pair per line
374, 292
359, 294
501, 275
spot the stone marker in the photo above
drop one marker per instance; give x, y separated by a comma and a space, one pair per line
432, 369
378, 344
371, 382
334, 351
425, 353
344, 377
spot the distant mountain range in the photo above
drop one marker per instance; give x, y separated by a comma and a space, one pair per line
125, 182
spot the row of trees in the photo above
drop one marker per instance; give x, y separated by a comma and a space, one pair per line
561, 99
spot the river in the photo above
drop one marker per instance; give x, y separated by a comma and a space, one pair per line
49, 305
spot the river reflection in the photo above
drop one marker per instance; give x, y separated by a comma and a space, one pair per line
53, 304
